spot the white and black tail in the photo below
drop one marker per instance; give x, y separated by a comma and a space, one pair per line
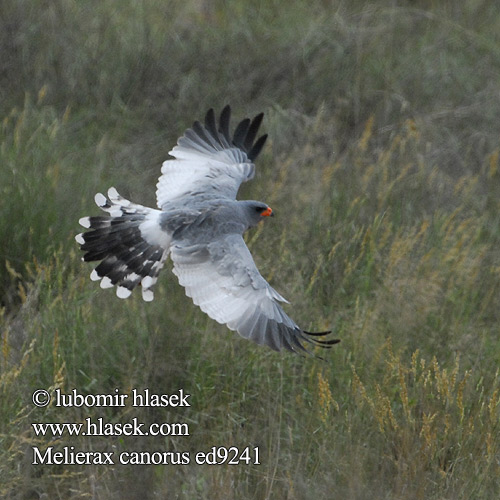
129, 242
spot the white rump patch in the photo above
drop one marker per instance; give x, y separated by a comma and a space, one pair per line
152, 232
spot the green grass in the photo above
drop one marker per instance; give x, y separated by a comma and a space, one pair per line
383, 170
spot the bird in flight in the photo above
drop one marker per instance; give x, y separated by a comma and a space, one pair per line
200, 226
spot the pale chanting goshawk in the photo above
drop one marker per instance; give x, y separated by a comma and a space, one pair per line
200, 225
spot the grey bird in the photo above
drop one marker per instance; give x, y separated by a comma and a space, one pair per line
200, 225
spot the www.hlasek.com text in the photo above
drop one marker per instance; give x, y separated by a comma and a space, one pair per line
99, 427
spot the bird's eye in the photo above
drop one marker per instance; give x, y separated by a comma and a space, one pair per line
259, 209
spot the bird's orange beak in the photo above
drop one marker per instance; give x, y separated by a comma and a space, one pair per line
268, 212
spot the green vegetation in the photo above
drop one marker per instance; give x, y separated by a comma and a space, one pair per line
383, 170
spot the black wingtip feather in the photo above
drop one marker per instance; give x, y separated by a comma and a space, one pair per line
318, 334
210, 123
240, 133
252, 131
200, 130
224, 120
257, 148
219, 136
321, 343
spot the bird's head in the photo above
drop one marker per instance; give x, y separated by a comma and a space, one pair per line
257, 211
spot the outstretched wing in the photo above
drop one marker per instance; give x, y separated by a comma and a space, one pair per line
208, 161
222, 279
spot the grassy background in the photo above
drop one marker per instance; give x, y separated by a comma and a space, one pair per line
383, 169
